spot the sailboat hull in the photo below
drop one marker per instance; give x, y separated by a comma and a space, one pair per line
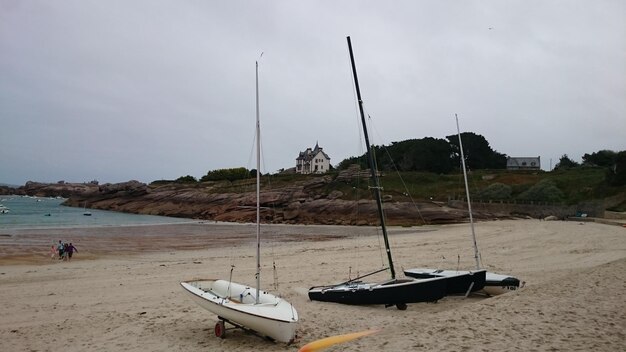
458, 282
272, 317
493, 284
388, 293
497, 284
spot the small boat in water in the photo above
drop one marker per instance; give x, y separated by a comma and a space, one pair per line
85, 211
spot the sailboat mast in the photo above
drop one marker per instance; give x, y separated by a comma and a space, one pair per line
258, 189
469, 202
370, 158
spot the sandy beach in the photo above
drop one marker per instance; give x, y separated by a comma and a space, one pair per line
121, 291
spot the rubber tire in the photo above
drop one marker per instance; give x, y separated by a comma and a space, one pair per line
220, 329
401, 306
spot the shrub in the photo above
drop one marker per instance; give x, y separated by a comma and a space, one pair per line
545, 191
186, 179
497, 191
233, 174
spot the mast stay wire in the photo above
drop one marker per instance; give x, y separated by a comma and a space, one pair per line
395, 167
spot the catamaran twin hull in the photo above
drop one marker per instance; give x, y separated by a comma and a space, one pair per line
497, 284
493, 284
272, 317
393, 292
458, 283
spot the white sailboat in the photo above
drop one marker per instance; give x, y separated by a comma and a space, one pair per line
85, 211
494, 284
241, 305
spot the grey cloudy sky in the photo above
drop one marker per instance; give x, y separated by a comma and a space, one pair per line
148, 90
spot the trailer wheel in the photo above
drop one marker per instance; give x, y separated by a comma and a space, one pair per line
401, 306
220, 329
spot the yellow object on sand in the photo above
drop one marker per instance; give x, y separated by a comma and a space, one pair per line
333, 340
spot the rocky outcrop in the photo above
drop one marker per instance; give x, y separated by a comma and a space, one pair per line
59, 189
308, 201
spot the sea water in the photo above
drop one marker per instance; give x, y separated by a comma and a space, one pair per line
22, 212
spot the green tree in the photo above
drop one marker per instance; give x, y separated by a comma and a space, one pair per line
616, 176
478, 152
565, 163
426, 154
231, 174
432, 155
604, 158
186, 179
345, 163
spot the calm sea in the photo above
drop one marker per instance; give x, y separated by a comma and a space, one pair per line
36, 212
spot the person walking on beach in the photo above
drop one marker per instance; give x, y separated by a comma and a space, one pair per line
60, 248
70, 250
53, 252
65, 251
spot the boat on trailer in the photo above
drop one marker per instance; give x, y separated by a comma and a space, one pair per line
233, 303
389, 292
240, 305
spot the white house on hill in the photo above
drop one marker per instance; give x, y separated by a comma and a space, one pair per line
523, 163
312, 161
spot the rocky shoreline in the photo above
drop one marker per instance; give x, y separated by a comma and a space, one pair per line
306, 201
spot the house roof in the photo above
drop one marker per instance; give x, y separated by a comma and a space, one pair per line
534, 161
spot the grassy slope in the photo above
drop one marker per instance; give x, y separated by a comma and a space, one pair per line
578, 185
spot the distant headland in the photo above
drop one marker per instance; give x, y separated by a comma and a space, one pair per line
339, 198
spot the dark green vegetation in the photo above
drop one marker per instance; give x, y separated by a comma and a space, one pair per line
429, 169
433, 155
568, 186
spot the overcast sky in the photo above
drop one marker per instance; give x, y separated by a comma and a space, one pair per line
148, 90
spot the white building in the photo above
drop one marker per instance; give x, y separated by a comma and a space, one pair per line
312, 161
523, 163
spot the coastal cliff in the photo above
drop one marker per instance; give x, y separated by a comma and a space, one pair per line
341, 198
305, 201
298, 203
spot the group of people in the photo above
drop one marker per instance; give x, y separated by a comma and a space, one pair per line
64, 251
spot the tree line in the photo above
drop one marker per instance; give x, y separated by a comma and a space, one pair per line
613, 162
442, 156
433, 155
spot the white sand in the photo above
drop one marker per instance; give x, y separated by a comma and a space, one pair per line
574, 299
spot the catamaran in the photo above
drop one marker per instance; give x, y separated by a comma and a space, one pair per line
481, 280
241, 305
389, 292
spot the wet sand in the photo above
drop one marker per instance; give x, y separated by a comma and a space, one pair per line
121, 291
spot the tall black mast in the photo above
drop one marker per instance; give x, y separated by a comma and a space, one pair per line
370, 158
